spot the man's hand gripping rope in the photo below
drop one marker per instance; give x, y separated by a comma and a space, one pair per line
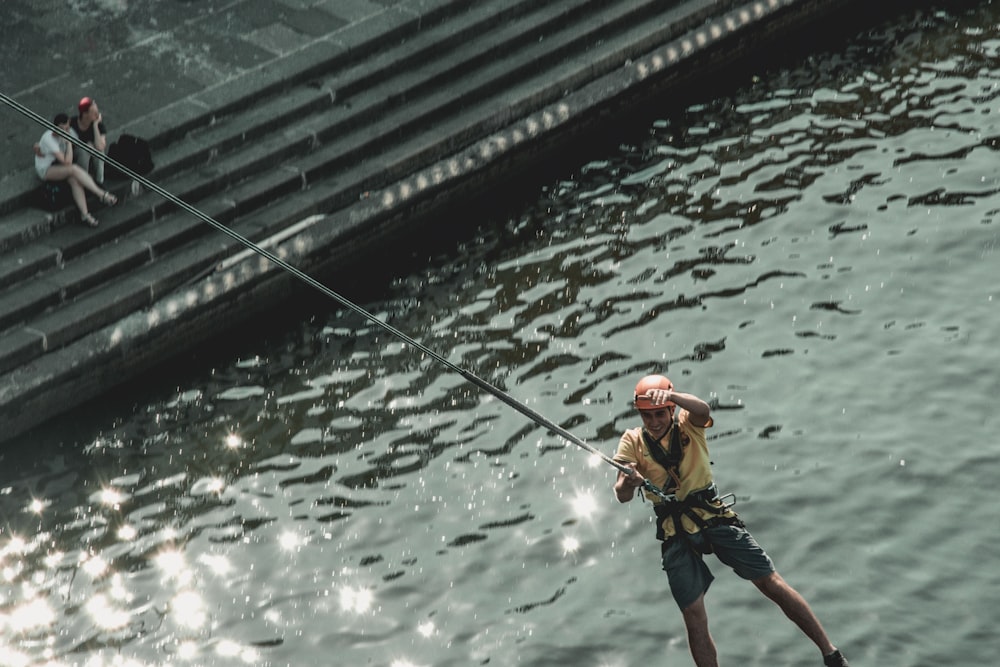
635, 480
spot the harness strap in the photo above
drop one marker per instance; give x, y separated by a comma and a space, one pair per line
670, 460
706, 499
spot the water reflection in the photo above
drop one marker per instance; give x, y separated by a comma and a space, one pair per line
806, 253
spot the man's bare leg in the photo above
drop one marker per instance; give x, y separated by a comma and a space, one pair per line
700, 640
795, 608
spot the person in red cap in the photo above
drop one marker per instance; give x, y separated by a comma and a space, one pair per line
89, 128
670, 450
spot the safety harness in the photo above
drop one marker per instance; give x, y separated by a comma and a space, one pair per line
706, 499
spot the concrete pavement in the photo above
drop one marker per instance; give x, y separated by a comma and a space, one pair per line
142, 57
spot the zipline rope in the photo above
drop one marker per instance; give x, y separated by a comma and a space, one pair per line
347, 303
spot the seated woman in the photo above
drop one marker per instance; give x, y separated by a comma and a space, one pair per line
54, 162
89, 128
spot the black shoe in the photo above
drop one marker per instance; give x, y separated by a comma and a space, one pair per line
835, 659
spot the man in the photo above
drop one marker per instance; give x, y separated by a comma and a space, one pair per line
670, 451
89, 128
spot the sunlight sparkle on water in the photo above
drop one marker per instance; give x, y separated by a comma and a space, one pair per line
189, 609
52, 560
9, 656
187, 650
227, 648
290, 541
112, 497
95, 566
356, 600
584, 505
172, 564
570, 545
33, 614
105, 615
119, 591
16, 546
217, 564
37, 505
214, 485
426, 628
233, 441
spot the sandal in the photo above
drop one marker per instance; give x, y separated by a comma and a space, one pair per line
108, 198
89, 220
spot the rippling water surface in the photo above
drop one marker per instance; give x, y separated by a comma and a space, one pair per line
815, 252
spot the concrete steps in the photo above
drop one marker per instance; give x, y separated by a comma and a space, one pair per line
489, 58
267, 153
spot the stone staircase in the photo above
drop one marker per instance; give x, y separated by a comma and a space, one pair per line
341, 133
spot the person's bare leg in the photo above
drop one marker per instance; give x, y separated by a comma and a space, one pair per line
58, 172
700, 640
79, 197
795, 608
69, 173
85, 179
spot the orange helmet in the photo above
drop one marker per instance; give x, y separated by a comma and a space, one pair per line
644, 402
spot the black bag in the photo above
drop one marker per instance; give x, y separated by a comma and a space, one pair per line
133, 152
54, 195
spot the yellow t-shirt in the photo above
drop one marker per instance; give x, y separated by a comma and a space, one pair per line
693, 474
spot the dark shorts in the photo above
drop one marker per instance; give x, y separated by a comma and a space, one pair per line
685, 566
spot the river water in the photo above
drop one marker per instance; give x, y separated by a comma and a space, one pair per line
814, 252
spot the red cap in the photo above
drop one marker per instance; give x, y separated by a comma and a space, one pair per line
85, 104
